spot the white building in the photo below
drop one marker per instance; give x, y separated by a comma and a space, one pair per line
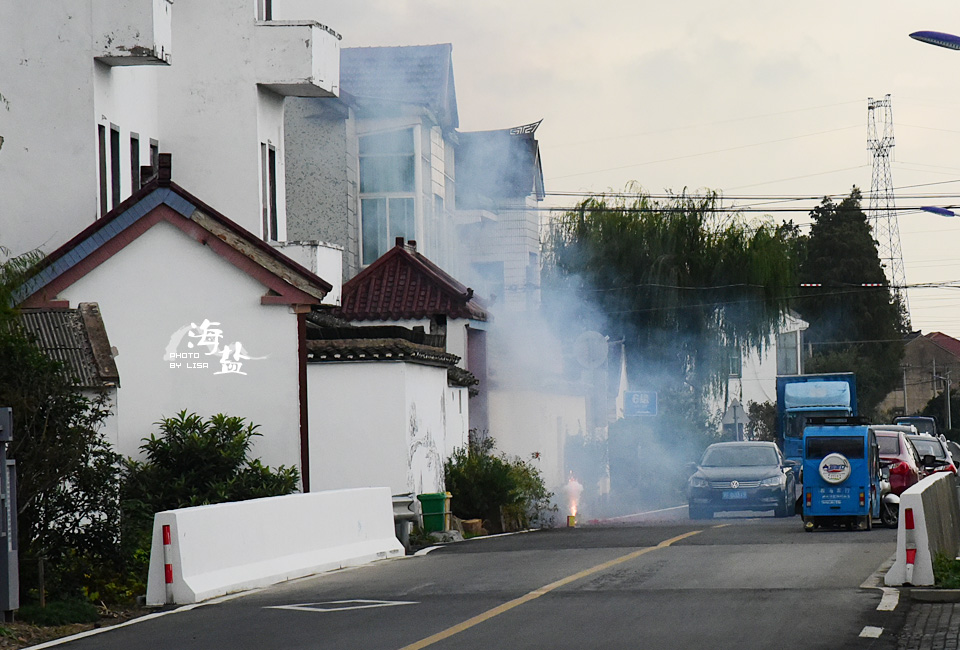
203, 316
377, 163
753, 378
92, 90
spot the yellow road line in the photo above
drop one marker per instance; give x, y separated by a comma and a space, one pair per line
536, 593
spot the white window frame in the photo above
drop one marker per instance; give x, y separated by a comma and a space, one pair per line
414, 194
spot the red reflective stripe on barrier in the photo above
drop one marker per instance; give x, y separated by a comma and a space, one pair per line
911, 555
166, 534
168, 573
908, 518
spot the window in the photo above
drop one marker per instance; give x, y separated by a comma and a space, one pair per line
134, 162
735, 365
387, 186
788, 361
102, 154
849, 446
383, 221
268, 165
154, 155
115, 165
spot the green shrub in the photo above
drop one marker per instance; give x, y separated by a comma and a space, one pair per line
946, 571
507, 493
59, 612
193, 462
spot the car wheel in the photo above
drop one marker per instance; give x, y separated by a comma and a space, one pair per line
699, 512
888, 516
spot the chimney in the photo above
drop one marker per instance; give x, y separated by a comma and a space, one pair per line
163, 173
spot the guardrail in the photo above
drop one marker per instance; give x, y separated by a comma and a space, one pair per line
208, 551
929, 524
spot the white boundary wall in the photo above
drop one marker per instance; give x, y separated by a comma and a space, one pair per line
936, 528
229, 547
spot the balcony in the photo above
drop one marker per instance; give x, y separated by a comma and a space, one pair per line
297, 58
132, 33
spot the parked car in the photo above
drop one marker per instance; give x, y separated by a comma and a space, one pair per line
954, 450
742, 476
899, 454
937, 448
924, 423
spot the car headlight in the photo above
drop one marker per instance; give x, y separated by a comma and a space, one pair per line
774, 481
698, 482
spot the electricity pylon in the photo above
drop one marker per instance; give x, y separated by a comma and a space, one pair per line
882, 209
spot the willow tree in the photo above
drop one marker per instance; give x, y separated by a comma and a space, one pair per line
686, 284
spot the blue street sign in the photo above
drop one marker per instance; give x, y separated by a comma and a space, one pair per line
639, 402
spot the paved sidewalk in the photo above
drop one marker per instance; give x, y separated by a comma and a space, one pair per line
931, 626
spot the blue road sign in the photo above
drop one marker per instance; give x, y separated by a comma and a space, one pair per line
639, 402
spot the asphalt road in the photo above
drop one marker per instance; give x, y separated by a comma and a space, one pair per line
655, 581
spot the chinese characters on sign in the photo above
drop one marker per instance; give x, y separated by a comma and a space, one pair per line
207, 335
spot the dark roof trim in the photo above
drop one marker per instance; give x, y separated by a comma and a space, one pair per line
378, 350
103, 238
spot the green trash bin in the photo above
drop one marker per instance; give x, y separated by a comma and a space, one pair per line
436, 511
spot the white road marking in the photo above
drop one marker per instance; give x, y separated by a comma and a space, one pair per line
890, 600
648, 512
870, 632
343, 605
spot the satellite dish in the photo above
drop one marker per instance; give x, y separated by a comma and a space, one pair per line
591, 349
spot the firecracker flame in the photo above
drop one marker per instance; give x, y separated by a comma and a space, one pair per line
573, 490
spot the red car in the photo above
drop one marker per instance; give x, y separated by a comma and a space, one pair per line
898, 452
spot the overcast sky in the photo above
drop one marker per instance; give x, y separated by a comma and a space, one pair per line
747, 98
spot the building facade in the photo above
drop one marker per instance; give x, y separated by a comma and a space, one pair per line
92, 91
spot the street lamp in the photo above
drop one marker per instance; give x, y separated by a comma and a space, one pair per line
938, 38
943, 212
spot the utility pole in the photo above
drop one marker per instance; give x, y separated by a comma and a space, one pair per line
946, 380
905, 411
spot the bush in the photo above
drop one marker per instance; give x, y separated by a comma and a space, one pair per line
193, 462
946, 571
59, 612
507, 493
67, 472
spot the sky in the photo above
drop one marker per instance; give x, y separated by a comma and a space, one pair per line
762, 102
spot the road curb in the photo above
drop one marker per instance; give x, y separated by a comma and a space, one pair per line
933, 595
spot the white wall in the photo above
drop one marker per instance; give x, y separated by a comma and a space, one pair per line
457, 414
377, 423
47, 124
164, 281
127, 97
527, 422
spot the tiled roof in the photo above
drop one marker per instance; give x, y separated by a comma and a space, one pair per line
287, 281
77, 338
948, 343
494, 165
403, 284
421, 75
377, 350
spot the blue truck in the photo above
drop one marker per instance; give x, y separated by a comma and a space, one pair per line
800, 397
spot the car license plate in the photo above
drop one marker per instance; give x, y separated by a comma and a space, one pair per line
734, 494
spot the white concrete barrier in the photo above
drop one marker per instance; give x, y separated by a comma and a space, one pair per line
929, 524
219, 549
